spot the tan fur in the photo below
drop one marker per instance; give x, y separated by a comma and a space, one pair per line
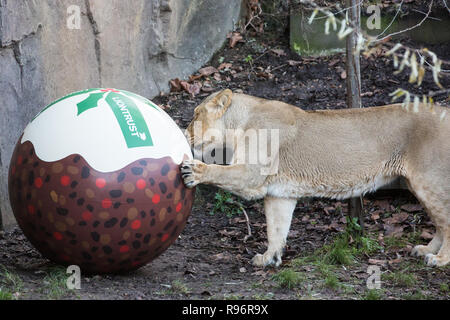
336, 154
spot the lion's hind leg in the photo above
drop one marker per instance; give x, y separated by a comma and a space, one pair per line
432, 247
442, 258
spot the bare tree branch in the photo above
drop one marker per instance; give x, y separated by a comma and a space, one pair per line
411, 28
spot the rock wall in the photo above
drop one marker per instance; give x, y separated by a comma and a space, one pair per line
136, 45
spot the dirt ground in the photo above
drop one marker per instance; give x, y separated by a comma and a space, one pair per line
211, 258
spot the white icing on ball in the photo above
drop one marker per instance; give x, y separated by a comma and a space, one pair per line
108, 128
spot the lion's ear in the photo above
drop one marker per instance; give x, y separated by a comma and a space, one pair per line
220, 103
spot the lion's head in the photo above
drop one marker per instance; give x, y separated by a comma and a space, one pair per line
206, 132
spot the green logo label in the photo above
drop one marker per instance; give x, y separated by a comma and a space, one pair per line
131, 121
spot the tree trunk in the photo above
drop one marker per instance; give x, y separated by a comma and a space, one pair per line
354, 88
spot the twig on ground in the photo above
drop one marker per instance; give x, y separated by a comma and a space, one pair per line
279, 67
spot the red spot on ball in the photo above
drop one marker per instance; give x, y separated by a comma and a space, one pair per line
106, 203
65, 181
100, 183
124, 249
141, 184
164, 237
19, 160
136, 224
57, 235
38, 182
178, 207
86, 216
156, 198
31, 209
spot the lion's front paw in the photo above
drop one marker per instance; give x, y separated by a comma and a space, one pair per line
421, 250
192, 172
434, 260
266, 259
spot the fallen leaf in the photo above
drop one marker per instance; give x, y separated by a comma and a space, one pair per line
350, 240
335, 226
224, 256
377, 262
426, 235
329, 210
411, 207
193, 89
396, 218
207, 71
242, 270
293, 233
224, 65
398, 260
278, 52
260, 273
235, 38
206, 87
367, 94
263, 75
393, 231
380, 238
383, 204
293, 62
227, 233
333, 62
344, 74
217, 76
375, 215
175, 85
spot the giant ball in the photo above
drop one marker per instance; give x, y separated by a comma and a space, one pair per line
94, 181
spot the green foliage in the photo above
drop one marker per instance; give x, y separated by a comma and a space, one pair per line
332, 282
11, 280
5, 295
444, 288
179, 287
288, 278
374, 294
353, 226
54, 282
339, 252
249, 59
393, 242
225, 204
349, 244
12, 283
400, 278
417, 295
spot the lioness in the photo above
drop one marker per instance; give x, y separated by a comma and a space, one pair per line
336, 154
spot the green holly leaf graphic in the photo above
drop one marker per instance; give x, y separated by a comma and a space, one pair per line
89, 103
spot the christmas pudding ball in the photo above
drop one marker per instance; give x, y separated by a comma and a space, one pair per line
94, 181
